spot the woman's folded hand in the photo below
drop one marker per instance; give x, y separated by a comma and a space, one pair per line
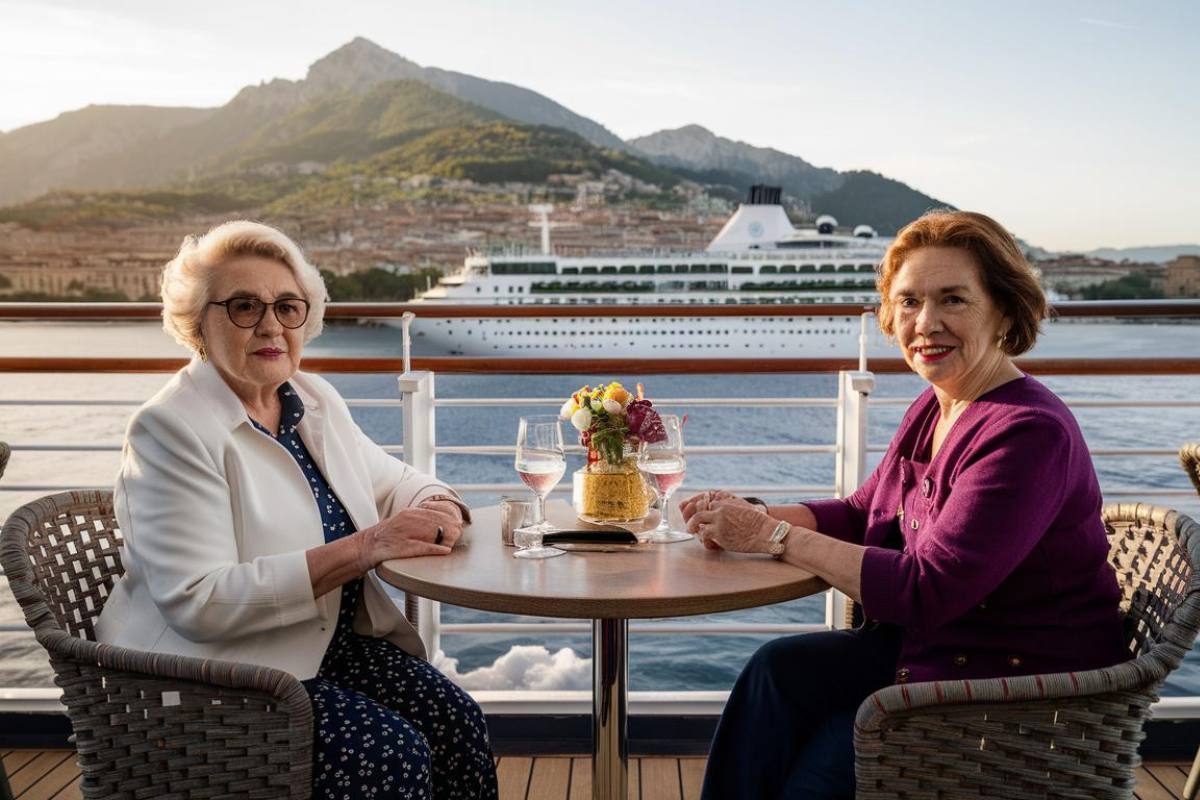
410, 533
732, 524
705, 501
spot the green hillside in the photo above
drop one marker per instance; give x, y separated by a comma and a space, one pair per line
350, 126
492, 153
69, 209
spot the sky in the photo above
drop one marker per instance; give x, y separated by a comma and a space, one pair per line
1076, 124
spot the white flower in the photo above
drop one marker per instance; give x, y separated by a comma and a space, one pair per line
597, 404
582, 419
612, 406
568, 408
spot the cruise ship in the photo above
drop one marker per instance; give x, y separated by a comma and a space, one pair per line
758, 258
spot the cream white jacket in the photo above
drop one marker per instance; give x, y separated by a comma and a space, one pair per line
217, 518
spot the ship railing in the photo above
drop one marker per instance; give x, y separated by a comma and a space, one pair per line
419, 404
796, 254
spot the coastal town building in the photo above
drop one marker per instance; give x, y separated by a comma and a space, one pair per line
1183, 277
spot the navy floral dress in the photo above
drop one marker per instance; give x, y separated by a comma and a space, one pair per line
386, 724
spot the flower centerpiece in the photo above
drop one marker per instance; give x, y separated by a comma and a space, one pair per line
611, 422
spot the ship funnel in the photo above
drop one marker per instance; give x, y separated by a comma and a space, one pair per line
759, 222
763, 195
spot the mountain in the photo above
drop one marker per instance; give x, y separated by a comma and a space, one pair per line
485, 152
114, 147
362, 122
351, 126
715, 159
852, 197
1155, 254
493, 153
96, 146
885, 204
357, 66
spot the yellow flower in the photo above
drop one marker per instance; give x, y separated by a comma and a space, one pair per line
618, 393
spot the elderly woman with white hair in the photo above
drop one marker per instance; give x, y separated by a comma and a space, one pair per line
254, 512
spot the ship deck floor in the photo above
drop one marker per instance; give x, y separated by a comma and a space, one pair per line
53, 775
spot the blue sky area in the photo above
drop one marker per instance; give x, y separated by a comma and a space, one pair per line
1074, 123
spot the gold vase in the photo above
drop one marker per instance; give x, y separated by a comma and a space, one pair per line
607, 492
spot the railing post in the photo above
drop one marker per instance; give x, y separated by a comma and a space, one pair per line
416, 391
851, 468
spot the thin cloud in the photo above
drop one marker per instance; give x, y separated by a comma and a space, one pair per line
1106, 23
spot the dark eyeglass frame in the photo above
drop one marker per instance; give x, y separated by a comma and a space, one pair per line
264, 305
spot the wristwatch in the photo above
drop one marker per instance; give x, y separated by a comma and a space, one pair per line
776, 544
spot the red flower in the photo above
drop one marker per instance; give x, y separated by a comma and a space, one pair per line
644, 422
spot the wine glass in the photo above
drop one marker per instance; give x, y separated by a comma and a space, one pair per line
664, 465
540, 463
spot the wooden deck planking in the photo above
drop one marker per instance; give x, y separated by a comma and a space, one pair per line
691, 775
41, 765
53, 775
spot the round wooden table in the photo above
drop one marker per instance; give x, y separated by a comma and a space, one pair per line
653, 580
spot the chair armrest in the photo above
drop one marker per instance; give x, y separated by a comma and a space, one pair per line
993, 737
935, 696
190, 725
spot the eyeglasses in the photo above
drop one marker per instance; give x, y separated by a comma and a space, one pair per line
247, 312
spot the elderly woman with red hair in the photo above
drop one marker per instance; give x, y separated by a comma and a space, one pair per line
975, 548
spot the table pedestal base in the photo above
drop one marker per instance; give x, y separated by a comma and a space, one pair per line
610, 693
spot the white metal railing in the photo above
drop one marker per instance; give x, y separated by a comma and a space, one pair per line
419, 403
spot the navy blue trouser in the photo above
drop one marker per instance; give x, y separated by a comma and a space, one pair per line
788, 728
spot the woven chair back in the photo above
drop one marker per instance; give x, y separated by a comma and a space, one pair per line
1155, 551
61, 556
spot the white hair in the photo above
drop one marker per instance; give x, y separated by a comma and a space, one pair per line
189, 276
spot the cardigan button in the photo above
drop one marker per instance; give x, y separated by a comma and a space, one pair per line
927, 487
914, 524
960, 660
902, 675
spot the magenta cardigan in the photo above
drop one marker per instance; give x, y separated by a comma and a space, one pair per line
1002, 567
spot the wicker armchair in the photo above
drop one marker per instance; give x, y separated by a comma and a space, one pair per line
147, 724
1189, 457
5, 788
1069, 735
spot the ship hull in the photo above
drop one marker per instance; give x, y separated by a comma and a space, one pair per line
641, 337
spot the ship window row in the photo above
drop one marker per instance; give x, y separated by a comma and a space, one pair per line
639, 332
672, 346
617, 320
701, 269
525, 268
549, 268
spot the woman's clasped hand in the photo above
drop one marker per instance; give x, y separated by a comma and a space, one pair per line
724, 521
411, 532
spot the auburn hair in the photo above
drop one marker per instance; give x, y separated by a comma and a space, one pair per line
1007, 276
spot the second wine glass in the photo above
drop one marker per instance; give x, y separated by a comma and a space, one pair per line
541, 463
664, 465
